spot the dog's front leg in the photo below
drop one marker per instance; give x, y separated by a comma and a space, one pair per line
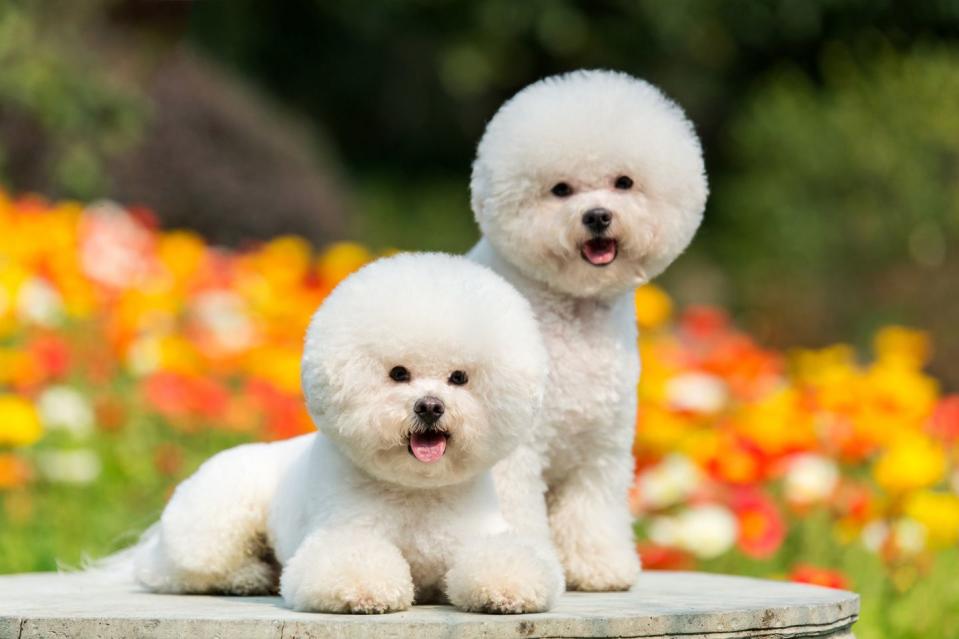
522, 493
353, 571
505, 573
591, 524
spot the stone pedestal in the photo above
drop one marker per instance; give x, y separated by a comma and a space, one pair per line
661, 604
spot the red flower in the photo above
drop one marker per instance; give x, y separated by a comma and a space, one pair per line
285, 414
51, 352
179, 396
655, 557
808, 574
168, 394
944, 422
761, 526
702, 323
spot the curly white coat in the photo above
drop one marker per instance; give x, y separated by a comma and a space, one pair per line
585, 131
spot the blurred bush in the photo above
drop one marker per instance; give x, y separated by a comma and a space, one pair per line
97, 101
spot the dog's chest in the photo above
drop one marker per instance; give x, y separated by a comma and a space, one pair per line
429, 532
594, 366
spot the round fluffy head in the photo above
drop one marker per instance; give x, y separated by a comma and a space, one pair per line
425, 369
590, 182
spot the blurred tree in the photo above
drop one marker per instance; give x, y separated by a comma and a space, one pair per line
52, 89
849, 192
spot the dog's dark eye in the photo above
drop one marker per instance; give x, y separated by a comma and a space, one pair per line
459, 378
561, 189
399, 374
623, 183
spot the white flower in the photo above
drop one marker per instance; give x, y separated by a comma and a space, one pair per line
669, 482
707, 531
874, 535
38, 302
697, 392
114, 248
224, 314
69, 466
810, 478
144, 355
62, 407
910, 535
663, 531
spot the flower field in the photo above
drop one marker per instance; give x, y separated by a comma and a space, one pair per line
128, 354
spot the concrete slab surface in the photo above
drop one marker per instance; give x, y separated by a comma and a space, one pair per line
661, 604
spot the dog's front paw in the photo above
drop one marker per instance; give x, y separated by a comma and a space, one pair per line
504, 578
596, 565
368, 577
343, 595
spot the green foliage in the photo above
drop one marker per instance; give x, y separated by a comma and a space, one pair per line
423, 215
49, 525
846, 190
864, 170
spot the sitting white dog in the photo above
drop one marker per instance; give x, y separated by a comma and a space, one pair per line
585, 186
421, 371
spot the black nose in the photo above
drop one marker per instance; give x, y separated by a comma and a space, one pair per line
597, 220
429, 409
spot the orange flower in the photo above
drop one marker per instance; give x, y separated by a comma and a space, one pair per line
14, 471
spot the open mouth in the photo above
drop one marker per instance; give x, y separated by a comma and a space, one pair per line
599, 251
428, 446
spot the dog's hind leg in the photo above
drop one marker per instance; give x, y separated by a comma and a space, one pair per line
212, 534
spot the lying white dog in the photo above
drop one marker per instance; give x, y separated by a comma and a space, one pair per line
585, 186
420, 371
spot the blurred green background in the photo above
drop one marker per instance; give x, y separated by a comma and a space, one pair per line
830, 128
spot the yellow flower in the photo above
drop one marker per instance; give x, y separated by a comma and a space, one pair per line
900, 345
284, 261
341, 259
660, 431
653, 306
777, 423
901, 392
939, 513
277, 365
913, 461
19, 421
826, 366
182, 253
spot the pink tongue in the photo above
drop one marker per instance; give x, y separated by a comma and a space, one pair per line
600, 251
428, 447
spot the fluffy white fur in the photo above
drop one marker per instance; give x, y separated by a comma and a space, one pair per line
585, 129
349, 520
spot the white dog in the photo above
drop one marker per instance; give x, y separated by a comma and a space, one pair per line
421, 372
585, 186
